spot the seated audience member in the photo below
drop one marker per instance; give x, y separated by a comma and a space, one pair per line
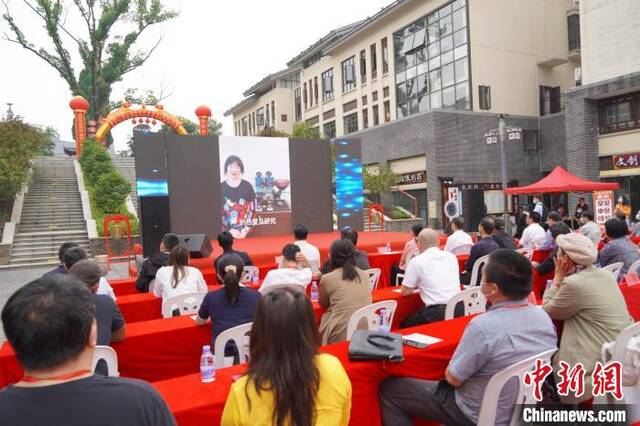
309, 251
635, 227
548, 264
458, 237
76, 254
521, 222
553, 218
295, 269
589, 302
151, 265
483, 247
409, 252
502, 239
619, 248
589, 228
230, 306
108, 317
343, 291
361, 258
288, 381
225, 241
50, 325
510, 331
60, 269
435, 273
534, 235
178, 277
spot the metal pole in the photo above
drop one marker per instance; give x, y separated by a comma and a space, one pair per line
503, 164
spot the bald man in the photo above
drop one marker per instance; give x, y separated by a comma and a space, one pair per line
435, 274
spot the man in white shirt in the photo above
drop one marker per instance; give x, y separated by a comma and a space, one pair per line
435, 274
458, 237
553, 218
533, 236
589, 228
294, 270
309, 251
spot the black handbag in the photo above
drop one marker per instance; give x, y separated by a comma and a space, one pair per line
368, 345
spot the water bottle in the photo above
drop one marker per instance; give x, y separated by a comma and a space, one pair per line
207, 367
388, 247
254, 277
384, 326
314, 291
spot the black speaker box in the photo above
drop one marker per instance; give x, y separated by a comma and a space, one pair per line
199, 245
154, 222
473, 208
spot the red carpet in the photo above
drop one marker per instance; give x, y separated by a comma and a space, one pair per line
263, 250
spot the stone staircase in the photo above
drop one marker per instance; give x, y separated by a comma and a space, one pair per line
126, 166
51, 214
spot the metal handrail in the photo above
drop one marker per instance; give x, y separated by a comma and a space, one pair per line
415, 201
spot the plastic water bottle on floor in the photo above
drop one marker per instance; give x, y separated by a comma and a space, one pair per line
254, 277
384, 326
314, 291
207, 367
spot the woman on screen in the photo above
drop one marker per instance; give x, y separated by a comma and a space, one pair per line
238, 199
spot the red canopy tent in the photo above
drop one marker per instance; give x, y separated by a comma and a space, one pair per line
560, 180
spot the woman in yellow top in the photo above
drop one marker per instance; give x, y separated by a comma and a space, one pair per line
288, 383
623, 207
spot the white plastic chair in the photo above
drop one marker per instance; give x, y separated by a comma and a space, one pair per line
473, 300
248, 273
109, 356
187, 304
264, 290
625, 350
374, 277
370, 312
615, 269
489, 406
239, 335
528, 253
475, 272
462, 249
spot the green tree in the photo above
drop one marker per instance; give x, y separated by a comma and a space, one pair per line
111, 191
270, 132
51, 135
193, 128
107, 50
19, 143
304, 130
380, 182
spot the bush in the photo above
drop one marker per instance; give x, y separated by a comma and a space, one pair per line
398, 213
110, 191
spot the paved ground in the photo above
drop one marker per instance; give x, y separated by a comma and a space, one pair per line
12, 279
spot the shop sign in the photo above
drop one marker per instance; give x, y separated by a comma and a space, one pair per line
512, 134
603, 201
411, 178
626, 161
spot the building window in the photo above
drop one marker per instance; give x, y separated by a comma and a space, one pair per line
374, 96
273, 112
363, 66
315, 90
374, 61
431, 62
252, 117
550, 100
385, 92
573, 23
310, 93
266, 118
297, 104
376, 115
484, 97
350, 106
327, 85
387, 111
365, 119
385, 56
620, 113
364, 100
349, 75
350, 123
260, 117
329, 130
304, 94
283, 118
244, 126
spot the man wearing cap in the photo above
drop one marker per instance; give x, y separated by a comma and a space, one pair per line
109, 320
589, 302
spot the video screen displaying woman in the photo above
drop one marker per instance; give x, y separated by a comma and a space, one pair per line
238, 199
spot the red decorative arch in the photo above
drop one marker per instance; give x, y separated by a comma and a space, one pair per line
125, 112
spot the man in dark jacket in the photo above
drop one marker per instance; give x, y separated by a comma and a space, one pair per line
502, 239
483, 247
548, 265
151, 265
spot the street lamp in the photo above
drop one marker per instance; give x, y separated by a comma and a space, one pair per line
503, 163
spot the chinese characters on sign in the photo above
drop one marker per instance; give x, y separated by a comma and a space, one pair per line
261, 221
626, 161
603, 201
513, 134
606, 379
413, 177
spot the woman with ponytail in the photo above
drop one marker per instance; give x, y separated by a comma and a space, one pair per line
288, 383
229, 306
342, 292
178, 277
